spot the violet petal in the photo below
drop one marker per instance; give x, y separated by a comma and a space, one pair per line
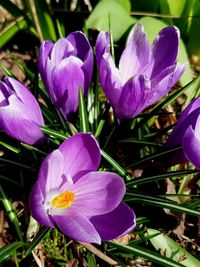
116, 223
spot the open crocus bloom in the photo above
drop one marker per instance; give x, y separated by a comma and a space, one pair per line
83, 203
145, 74
20, 114
65, 67
187, 134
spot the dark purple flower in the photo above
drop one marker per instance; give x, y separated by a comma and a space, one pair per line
187, 134
65, 67
20, 114
145, 73
83, 203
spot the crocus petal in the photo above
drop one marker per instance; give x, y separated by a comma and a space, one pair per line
110, 79
68, 78
176, 137
83, 50
135, 57
164, 50
38, 210
191, 146
51, 172
104, 194
81, 153
61, 49
102, 46
133, 97
164, 82
116, 223
28, 100
77, 227
43, 54
17, 124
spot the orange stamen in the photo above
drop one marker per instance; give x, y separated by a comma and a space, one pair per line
63, 200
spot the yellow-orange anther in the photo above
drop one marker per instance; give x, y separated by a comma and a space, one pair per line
63, 200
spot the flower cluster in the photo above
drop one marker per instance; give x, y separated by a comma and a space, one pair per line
145, 74
70, 193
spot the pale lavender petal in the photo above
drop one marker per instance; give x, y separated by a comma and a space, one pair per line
133, 97
43, 54
104, 194
51, 172
110, 79
176, 137
191, 146
135, 56
164, 82
164, 51
17, 124
33, 110
109, 76
102, 46
115, 223
61, 49
37, 208
193, 106
77, 227
68, 78
81, 153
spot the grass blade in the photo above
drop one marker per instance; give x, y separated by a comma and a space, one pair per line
39, 237
160, 202
146, 254
84, 124
11, 214
7, 251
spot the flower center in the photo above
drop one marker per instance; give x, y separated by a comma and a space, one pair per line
63, 200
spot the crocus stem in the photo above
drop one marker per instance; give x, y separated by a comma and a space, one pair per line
100, 254
11, 213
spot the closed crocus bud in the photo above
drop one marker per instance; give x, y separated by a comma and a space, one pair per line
65, 67
186, 134
20, 114
145, 74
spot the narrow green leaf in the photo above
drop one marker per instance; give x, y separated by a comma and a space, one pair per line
39, 237
172, 250
145, 180
7, 252
160, 202
84, 124
11, 214
154, 156
140, 142
54, 133
9, 147
146, 254
115, 165
11, 29
43, 20
34, 149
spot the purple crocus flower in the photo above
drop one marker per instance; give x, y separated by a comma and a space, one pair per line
187, 134
83, 203
20, 114
145, 73
65, 67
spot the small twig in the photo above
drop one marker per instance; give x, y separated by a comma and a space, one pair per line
36, 20
100, 254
